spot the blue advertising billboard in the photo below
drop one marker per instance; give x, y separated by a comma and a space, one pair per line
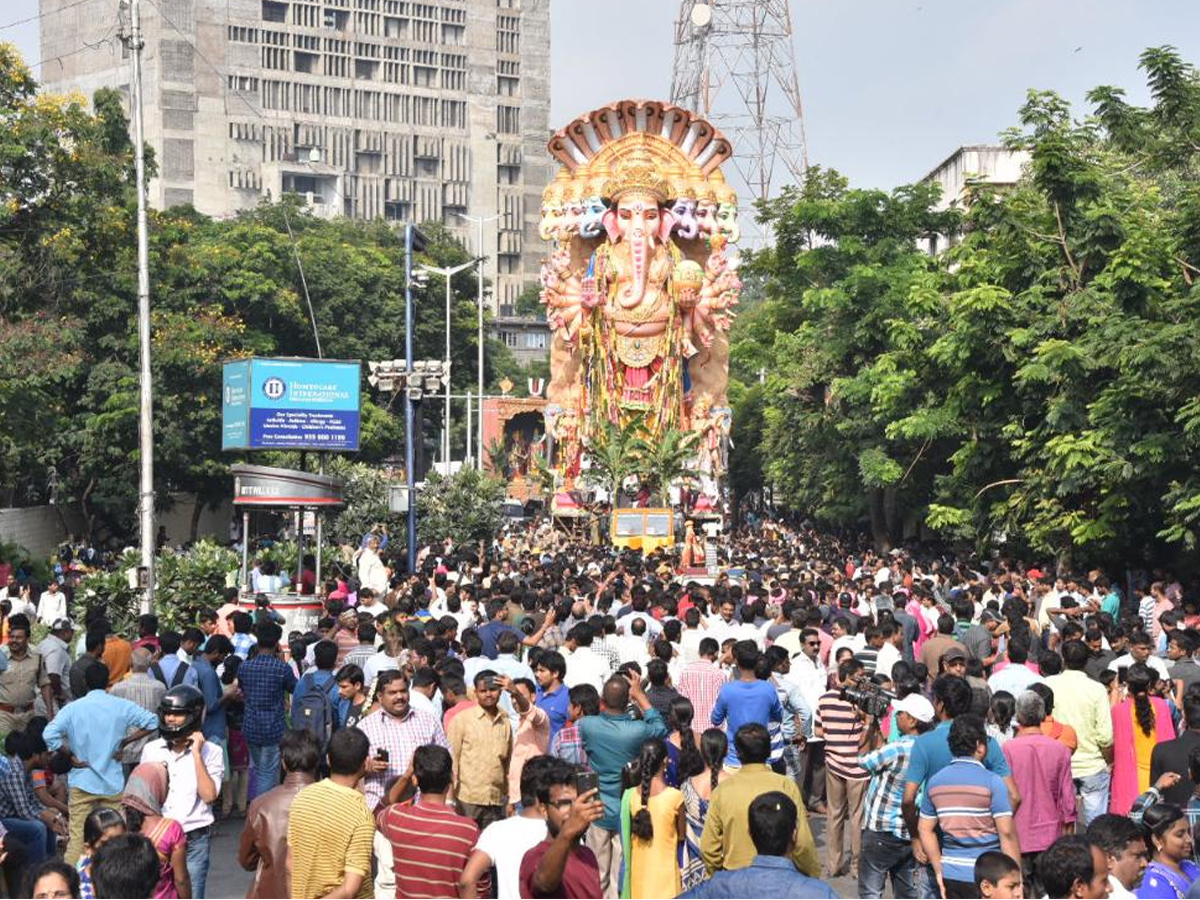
290, 404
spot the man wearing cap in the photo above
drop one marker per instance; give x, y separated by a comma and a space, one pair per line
934, 649
55, 649
887, 843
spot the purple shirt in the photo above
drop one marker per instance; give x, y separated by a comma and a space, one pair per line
1041, 768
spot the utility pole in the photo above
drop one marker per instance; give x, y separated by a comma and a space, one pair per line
480, 221
448, 274
135, 43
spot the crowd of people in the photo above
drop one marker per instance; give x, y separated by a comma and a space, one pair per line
546, 718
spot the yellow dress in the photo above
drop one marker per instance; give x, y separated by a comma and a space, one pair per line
654, 869
1143, 747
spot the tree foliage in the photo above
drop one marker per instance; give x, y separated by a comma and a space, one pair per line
1040, 380
465, 507
219, 290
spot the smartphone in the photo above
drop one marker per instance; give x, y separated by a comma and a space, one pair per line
586, 781
383, 754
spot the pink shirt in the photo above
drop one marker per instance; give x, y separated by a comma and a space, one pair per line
1041, 768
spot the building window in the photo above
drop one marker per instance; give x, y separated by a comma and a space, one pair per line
535, 340
509, 338
508, 119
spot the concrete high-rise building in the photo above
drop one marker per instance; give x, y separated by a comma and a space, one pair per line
406, 111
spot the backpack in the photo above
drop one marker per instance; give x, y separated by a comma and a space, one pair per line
314, 712
176, 679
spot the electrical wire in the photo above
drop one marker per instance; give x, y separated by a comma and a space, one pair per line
43, 15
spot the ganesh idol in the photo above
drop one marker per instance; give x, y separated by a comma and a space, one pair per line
640, 284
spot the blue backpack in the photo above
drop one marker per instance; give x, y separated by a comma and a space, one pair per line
314, 711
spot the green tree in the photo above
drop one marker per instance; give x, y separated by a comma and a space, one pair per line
666, 460
615, 455
465, 507
848, 297
1039, 380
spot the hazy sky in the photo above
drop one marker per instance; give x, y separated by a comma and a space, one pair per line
890, 87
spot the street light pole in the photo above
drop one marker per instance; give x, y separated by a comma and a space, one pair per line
480, 221
146, 398
448, 274
410, 473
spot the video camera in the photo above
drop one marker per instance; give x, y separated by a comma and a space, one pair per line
869, 697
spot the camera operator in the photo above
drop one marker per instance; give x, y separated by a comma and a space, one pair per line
839, 725
887, 843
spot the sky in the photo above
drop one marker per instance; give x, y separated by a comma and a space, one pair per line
890, 87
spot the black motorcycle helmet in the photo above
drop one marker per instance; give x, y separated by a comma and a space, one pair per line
181, 699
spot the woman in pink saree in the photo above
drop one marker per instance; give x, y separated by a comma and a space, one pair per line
1140, 722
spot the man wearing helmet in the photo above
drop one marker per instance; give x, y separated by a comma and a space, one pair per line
195, 769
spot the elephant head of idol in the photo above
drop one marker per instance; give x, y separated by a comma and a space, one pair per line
637, 218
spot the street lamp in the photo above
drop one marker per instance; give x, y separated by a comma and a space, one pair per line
448, 273
480, 221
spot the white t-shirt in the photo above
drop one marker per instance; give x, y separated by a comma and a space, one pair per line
51, 607
586, 666
1154, 662
380, 662
507, 842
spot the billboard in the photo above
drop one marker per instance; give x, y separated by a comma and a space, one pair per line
290, 404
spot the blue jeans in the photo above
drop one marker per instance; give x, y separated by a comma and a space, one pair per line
265, 758
884, 854
32, 834
198, 846
1093, 794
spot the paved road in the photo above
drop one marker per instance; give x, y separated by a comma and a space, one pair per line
226, 878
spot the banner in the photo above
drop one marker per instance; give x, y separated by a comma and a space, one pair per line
294, 404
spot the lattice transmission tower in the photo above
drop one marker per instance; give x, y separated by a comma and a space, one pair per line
735, 64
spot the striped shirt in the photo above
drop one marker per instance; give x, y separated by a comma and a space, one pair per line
430, 847
843, 730
330, 833
887, 766
966, 800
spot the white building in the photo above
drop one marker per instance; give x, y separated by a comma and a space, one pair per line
406, 111
990, 164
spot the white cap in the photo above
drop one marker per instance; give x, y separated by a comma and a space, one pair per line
916, 706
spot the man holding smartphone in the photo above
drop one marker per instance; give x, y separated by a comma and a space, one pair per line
560, 866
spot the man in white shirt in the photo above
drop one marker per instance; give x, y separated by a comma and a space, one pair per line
195, 770
625, 623
504, 844
842, 637
52, 605
584, 665
632, 645
1139, 652
889, 653
1016, 677
723, 625
693, 634
371, 571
